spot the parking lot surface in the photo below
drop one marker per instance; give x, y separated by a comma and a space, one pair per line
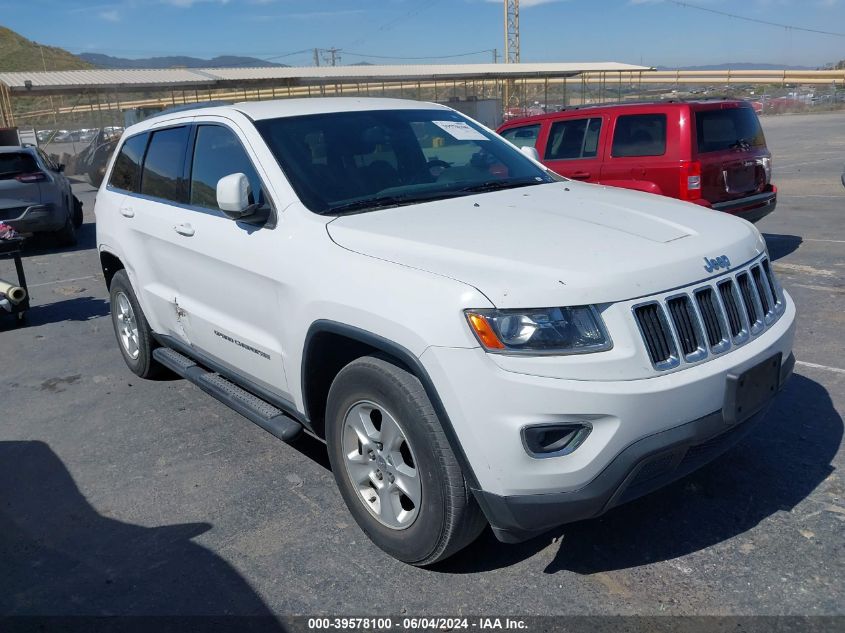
125, 496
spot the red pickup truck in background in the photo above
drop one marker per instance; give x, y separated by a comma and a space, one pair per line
712, 153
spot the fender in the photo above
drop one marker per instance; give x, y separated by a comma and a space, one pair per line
412, 363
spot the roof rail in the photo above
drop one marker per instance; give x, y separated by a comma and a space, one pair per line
199, 105
606, 104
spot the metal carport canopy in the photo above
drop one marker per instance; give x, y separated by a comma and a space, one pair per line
127, 80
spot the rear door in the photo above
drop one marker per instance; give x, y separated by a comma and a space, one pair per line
732, 151
572, 147
643, 153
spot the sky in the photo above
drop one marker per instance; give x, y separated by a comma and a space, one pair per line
651, 32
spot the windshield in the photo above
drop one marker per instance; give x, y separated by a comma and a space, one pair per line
356, 161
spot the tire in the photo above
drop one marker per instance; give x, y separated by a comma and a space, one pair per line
66, 236
77, 216
136, 343
439, 516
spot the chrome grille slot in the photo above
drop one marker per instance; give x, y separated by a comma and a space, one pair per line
748, 300
724, 313
726, 291
686, 325
710, 314
656, 334
762, 290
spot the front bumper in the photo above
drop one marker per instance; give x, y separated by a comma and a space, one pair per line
643, 467
668, 415
36, 218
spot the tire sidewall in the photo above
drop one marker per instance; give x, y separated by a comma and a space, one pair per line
359, 382
141, 365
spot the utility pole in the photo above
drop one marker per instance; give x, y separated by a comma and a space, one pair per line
495, 55
512, 98
331, 56
316, 56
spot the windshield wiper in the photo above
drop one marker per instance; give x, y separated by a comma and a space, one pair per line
385, 202
741, 144
494, 185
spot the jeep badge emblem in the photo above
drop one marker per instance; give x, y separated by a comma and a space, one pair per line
711, 265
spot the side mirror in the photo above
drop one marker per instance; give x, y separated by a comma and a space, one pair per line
531, 152
233, 195
60, 168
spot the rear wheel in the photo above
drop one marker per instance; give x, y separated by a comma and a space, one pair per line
77, 216
393, 464
66, 236
133, 333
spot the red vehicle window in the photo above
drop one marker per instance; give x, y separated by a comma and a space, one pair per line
720, 130
573, 138
640, 135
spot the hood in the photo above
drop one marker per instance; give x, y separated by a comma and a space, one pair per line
556, 244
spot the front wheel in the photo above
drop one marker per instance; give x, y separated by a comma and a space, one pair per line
394, 466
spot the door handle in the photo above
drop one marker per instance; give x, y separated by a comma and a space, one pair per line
127, 212
184, 229
580, 175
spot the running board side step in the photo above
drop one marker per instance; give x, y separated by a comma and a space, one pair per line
253, 408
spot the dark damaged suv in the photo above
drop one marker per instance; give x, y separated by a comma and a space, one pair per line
712, 153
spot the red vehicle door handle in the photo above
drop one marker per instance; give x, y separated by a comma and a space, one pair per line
580, 175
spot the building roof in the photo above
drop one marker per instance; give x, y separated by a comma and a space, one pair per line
139, 79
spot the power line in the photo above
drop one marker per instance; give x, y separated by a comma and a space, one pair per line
386, 26
788, 27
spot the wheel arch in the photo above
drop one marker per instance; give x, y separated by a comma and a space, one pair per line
330, 346
110, 264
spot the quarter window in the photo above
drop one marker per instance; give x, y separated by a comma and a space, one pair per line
164, 165
219, 153
574, 138
126, 172
525, 136
640, 135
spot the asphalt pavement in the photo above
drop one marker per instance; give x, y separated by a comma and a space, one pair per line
125, 496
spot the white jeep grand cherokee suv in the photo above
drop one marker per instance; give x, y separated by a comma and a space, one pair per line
477, 340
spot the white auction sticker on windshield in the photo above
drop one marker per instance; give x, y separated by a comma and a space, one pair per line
460, 130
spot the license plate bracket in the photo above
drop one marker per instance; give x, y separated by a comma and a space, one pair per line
751, 390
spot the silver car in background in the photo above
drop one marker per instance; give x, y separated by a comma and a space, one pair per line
36, 196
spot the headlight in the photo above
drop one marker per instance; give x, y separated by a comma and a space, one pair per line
576, 330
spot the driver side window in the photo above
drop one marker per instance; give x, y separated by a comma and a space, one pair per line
218, 153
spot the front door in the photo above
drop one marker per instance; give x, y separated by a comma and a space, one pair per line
229, 298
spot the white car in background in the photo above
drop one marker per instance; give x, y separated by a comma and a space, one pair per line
477, 340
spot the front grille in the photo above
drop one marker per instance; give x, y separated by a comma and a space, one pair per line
12, 213
686, 326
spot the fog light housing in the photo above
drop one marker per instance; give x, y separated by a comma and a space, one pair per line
554, 440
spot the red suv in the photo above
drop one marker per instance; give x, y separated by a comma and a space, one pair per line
712, 153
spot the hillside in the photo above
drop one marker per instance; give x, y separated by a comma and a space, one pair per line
19, 53
224, 61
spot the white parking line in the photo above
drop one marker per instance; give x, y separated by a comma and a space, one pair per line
835, 370
60, 281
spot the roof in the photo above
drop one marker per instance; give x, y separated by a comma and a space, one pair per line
646, 104
271, 109
137, 79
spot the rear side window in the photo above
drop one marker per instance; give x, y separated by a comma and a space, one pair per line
733, 128
525, 136
573, 138
164, 165
640, 135
16, 163
126, 173
218, 153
